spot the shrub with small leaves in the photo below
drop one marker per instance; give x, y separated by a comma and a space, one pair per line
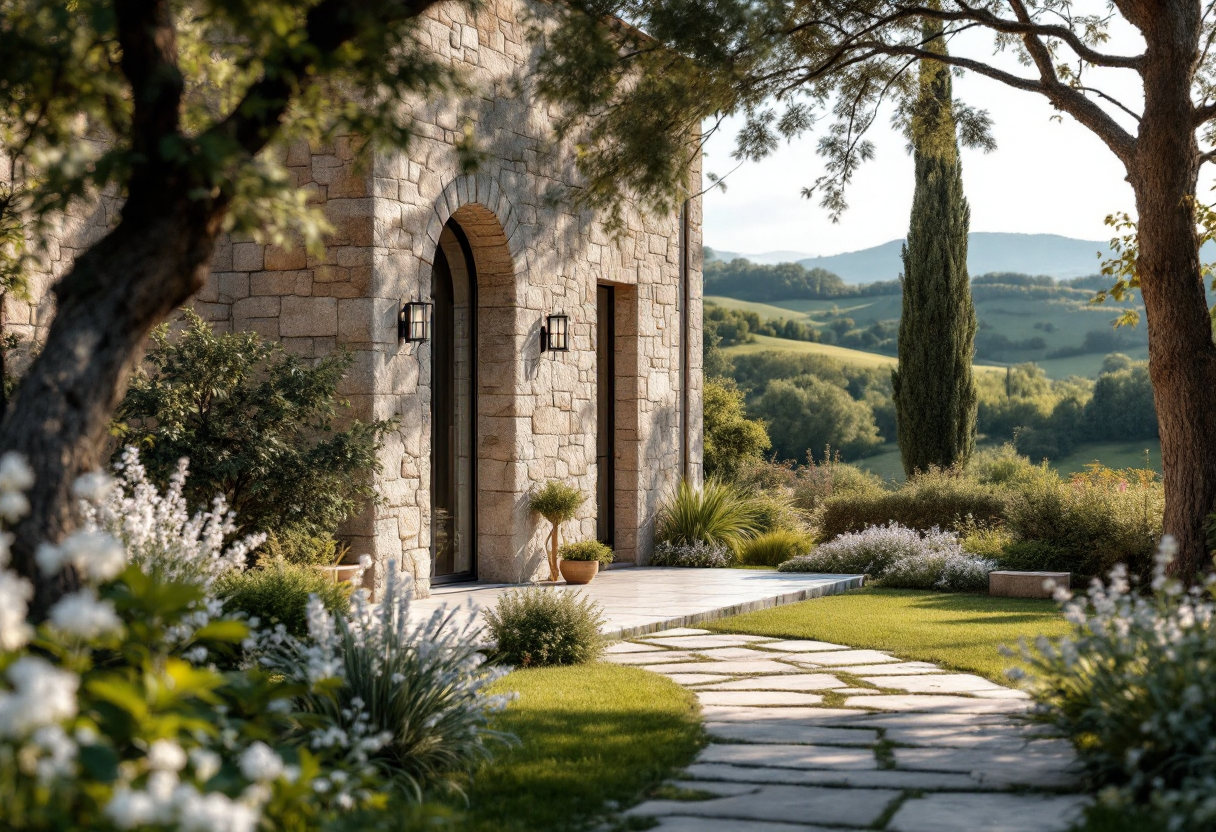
536, 627
697, 554
277, 592
587, 550
297, 545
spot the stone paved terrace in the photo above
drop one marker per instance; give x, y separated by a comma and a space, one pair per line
808, 736
643, 600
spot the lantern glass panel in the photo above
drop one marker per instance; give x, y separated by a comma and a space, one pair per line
416, 321
559, 333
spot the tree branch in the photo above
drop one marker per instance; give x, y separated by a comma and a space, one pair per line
149, 63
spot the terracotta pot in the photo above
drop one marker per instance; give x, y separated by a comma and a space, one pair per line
341, 574
579, 571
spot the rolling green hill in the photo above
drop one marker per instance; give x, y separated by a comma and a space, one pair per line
846, 356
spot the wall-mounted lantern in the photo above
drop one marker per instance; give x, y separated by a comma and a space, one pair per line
414, 322
555, 335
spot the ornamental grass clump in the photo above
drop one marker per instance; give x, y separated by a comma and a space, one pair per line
717, 514
557, 503
406, 699
1131, 687
899, 557
535, 627
775, 548
697, 554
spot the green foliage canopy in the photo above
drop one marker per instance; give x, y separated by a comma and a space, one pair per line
257, 425
731, 439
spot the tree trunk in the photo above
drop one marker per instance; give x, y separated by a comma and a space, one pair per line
107, 304
1182, 357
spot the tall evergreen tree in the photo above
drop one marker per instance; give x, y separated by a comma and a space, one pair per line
935, 398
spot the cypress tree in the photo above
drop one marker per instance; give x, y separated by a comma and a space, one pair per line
934, 391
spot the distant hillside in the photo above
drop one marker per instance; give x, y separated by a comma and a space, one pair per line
1048, 254
768, 258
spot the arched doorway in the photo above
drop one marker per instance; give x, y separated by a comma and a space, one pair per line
453, 409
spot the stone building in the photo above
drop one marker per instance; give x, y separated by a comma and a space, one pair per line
485, 415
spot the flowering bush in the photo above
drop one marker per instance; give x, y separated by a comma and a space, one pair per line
408, 701
894, 556
698, 553
114, 714
1132, 688
534, 627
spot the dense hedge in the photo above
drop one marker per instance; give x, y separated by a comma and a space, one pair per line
936, 499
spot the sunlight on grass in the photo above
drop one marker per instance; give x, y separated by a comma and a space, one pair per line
958, 631
588, 734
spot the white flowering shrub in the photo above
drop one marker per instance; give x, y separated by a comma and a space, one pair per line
1132, 687
899, 557
696, 553
114, 715
408, 701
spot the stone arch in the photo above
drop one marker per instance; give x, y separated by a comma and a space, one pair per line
502, 419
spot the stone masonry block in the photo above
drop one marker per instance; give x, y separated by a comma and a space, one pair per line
1026, 584
309, 317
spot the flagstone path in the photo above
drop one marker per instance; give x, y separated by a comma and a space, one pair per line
807, 735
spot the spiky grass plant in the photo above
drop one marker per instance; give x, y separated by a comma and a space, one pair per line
557, 503
716, 513
775, 548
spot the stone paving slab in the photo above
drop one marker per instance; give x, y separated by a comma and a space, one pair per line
777, 731
942, 683
988, 812
687, 824
938, 704
759, 698
800, 646
791, 756
788, 804
836, 658
700, 642
792, 681
778, 756
642, 600
859, 779
727, 668
622, 647
674, 632
654, 657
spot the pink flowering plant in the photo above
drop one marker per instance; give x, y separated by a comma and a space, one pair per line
1132, 687
125, 708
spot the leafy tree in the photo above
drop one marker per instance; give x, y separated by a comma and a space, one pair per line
807, 412
831, 66
257, 426
192, 101
731, 439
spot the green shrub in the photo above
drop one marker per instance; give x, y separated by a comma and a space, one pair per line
277, 592
985, 541
1004, 466
775, 512
1100, 518
941, 499
587, 550
556, 501
299, 546
774, 548
1035, 556
717, 513
257, 426
534, 627
816, 482
731, 439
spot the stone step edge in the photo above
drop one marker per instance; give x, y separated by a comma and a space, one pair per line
836, 587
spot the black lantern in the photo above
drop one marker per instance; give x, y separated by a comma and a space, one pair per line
414, 322
555, 335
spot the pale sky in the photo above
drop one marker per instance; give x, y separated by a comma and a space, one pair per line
1046, 176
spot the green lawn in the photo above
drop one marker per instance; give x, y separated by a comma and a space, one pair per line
957, 631
588, 734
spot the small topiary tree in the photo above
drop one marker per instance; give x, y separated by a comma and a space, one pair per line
557, 503
257, 426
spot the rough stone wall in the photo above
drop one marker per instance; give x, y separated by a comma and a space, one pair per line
536, 413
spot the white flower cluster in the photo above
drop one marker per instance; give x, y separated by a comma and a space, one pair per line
1135, 681
157, 530
165, 799
697, 554
15, 592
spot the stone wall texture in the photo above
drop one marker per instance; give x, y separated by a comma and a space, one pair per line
532, 256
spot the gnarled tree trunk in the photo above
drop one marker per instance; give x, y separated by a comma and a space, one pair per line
1182, 357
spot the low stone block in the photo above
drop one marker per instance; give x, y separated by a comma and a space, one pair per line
1010, 584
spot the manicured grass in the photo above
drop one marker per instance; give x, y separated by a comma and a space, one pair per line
588, 734
957, 631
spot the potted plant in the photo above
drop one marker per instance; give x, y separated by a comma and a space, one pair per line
557, 503
581, 561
